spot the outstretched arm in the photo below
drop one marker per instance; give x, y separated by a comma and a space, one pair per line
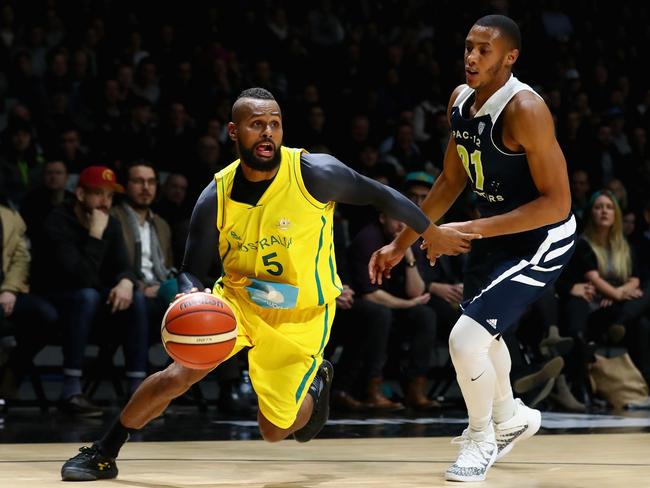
202, 242
329, 180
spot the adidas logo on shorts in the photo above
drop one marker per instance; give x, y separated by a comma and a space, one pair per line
492, 322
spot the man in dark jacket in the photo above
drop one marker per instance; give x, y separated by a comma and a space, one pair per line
85, 272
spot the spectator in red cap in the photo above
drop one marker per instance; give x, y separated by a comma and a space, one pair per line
85, 272
99, 177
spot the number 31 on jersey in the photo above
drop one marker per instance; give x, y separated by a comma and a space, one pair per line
475, 160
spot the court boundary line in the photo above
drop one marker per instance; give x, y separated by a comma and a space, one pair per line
346, 461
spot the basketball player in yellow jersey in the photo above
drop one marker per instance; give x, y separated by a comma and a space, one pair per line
269, 215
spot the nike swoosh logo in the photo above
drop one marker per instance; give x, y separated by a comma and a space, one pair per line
474, 379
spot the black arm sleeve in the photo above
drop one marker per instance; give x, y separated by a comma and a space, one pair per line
202, 246
329, 180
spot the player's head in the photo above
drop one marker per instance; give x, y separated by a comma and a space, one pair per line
491, 48
95, 188
141, 183
256, 129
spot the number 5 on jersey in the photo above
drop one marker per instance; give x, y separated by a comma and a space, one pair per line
272, 267
475, 159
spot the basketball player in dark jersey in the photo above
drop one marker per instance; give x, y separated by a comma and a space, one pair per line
503, 144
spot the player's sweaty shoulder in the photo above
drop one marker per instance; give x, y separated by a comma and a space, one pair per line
527, 120
525, 104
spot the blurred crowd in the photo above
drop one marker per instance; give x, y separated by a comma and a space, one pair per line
110, 91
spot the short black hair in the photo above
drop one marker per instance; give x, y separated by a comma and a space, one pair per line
256, 92
508, 28
126, 170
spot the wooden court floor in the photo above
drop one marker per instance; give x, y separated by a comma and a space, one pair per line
545, 461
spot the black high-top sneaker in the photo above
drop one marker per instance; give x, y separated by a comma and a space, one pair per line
320, 390
89, 465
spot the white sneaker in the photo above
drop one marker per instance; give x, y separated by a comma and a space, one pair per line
523, 425
478, 451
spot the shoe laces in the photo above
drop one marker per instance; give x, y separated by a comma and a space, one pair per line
472, 452
87, 452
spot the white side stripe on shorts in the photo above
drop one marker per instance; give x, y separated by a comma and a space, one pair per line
546, 270
527, 280
556, 234
558, 252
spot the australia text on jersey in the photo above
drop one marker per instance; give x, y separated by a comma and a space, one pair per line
264, 242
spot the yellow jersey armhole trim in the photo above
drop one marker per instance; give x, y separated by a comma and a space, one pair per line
220, 183
220, 203
301, 184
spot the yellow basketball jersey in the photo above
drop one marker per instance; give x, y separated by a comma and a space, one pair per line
278, 254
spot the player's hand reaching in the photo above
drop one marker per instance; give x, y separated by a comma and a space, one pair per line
382, 261
193, 290
450, 239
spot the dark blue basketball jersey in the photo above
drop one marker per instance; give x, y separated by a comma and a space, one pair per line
500, 179
504, 274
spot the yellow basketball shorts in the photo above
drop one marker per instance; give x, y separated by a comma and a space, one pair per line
286, 352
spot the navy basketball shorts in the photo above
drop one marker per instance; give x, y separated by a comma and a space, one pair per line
515, 283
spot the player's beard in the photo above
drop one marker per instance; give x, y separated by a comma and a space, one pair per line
249, 158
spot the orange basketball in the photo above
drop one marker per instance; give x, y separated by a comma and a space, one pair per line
199, 330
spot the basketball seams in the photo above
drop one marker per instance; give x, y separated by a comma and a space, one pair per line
226, 334
185, 313
216, 336
205, 344
176, 358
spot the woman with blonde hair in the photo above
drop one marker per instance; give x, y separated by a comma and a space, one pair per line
600, 290
613, 276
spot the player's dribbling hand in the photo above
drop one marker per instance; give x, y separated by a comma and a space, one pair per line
382, 261
192, 290
450, 239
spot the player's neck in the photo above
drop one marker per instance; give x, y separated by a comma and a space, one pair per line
484, 92
256, 175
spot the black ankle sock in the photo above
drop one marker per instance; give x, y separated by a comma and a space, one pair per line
114, 439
